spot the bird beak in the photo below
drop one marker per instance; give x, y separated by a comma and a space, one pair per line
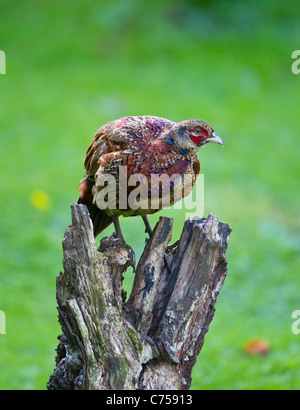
215, 138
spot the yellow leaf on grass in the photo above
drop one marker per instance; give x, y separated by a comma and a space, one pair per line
40, 200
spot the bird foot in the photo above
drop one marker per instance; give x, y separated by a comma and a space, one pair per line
131, 257
170, 248
173, 246
167, 264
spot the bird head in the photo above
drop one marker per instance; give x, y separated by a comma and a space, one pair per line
190, 135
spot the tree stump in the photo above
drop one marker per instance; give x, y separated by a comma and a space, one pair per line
152, 340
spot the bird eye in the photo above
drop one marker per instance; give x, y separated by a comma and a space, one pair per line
198, 134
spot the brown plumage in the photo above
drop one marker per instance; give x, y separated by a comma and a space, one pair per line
145, 146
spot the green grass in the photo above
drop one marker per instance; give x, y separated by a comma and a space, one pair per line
73, 66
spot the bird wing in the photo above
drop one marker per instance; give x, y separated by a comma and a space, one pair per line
132, 142
126, 136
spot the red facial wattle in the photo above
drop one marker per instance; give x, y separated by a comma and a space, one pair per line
198, 138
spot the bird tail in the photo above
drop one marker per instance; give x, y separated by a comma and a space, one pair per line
99, 218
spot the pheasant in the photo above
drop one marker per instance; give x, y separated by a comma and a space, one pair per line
143, 146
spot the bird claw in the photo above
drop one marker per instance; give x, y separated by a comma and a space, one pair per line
167, 264
169, 248
131, 258
173, 246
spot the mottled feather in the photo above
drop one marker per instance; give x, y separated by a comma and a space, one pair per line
145, 145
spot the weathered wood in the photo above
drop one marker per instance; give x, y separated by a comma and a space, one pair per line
152, 340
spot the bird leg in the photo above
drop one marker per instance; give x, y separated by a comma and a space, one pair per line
149, 231
119, 234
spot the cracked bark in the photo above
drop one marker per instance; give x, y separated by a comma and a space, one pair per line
152, 340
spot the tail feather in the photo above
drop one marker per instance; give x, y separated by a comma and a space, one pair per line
99, 218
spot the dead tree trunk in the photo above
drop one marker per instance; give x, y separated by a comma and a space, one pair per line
152, 340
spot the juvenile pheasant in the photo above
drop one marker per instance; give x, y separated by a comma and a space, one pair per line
143, 146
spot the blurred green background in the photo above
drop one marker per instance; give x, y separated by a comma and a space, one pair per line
71, 67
